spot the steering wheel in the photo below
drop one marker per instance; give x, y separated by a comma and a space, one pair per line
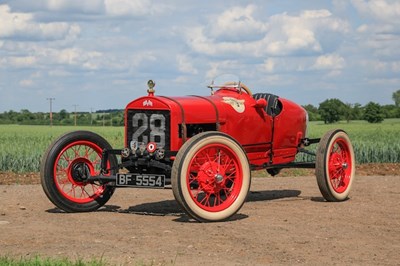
242, 86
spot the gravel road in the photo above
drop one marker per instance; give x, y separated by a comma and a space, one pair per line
284, 221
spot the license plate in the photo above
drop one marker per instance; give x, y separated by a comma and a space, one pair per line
141, 180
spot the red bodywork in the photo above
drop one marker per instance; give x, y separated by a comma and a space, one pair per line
204, 148
267, 139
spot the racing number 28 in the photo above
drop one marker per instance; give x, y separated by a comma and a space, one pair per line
155, 123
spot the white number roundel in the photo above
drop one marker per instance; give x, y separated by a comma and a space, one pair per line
151, 147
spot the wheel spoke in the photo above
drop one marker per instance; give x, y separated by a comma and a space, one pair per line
339, 162
204, 201
219, 171
215, 200
71, 168
227, 164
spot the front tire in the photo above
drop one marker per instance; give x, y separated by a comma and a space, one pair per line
67, 163
335, 165
211, 177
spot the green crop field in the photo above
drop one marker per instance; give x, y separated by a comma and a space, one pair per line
373, 143
21, 147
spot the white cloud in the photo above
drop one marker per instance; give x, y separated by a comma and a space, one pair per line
92, 6
315, 14
99, 44
17, 61
294, 35
238, 24
58, 73
396, 66
334, 73
382, 67
284, 65
269, 65
26, 83
225, 67
387, 11
381, 39
56, 59
75, 56
332, 61
131, 7
185, 65
22, 26
340, 5
54, 10
181, 80
284, 35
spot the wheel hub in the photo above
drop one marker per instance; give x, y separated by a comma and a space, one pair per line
219, 178
80, 172
210, 179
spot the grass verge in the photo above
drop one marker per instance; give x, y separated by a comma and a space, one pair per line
38, 261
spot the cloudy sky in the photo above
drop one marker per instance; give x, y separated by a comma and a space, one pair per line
99, 54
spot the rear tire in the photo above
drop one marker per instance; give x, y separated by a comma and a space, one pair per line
211, 177
69, 160
335, 165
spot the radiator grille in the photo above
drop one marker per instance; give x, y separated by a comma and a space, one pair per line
149, 126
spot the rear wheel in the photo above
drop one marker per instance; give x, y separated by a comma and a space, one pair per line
335, 165
211, 177
66, 166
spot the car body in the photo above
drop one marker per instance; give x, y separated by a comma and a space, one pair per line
261, 129
205, 147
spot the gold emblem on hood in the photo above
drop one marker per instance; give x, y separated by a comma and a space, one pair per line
237, 105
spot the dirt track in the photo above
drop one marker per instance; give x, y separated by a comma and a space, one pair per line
285, 221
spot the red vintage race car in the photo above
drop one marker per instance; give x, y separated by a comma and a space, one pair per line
205, 147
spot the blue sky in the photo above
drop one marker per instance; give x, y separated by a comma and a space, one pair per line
99, 54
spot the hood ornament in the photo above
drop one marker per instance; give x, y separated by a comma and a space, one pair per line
151, 86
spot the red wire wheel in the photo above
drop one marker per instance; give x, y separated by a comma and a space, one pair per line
211, 177
76, 162
335, 165
67, 165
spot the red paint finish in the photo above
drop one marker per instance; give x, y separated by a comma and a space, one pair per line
340, 165
264, 138
214, 177
73, 155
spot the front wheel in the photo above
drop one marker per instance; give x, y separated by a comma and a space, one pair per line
68, 163
211, 177
335, 165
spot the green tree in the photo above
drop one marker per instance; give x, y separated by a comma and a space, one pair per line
312, 111
357, 111
390, 111
25, 116
11, 115
331, 110
63, 114
348, 112
396, 98
373, 113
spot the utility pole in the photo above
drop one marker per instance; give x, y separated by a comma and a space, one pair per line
91, 116
51, 109
75, 105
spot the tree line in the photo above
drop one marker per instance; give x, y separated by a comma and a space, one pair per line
329, 111
64, 118
334, 110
